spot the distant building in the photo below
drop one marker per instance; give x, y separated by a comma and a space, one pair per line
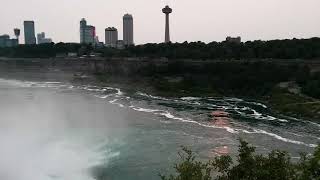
96, 40
100, 45
12, 42
29, 32
17, 33
5, 41
128, 29
41, 37
120, 44
87, 33
233, 39
111, 37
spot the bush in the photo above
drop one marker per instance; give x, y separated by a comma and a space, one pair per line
276, 165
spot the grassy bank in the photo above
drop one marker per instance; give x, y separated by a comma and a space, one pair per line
295, 105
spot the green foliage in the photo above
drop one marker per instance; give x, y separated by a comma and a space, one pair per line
276, 165
294, 105
189, 168
312, 86
309, 167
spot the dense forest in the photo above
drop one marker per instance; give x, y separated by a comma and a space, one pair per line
274, 49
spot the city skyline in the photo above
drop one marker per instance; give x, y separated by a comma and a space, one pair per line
213, 20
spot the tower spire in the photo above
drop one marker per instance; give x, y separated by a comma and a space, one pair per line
167, 10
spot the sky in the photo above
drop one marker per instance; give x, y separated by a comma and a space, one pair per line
191, 20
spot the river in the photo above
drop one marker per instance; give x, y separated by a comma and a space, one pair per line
62, 131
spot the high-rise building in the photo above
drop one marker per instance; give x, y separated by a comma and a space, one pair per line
87, 33
42, 38
111, 36
83, 25
167, 10
128, 30
29, 32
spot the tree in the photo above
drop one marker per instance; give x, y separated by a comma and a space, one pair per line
276, 165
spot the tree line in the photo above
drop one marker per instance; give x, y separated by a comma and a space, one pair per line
273, 49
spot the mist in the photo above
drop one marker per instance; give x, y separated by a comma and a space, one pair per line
55, 134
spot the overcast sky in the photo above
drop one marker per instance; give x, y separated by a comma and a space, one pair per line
191, 20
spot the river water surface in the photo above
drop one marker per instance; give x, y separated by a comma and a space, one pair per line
61, 131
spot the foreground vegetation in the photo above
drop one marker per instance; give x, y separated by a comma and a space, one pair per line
276, 165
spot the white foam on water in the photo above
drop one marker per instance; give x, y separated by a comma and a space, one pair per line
103, 96
233, 99
170, 116
144, 109
93, 88
259, 104
190, 98
120, 93
259, 131
228, 129
189, 102
114, 101
49, 82
257, 115
151, 96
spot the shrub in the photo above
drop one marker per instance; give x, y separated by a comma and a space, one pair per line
276, 165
